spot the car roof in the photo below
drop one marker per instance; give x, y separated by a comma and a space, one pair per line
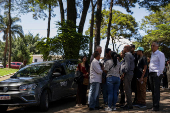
54, 61
16, 62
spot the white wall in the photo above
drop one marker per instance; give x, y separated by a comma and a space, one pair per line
38, 58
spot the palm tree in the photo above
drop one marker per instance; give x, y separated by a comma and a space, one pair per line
4, 28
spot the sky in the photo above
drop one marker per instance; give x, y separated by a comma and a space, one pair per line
40, 26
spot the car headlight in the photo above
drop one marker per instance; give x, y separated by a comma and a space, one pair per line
27, 87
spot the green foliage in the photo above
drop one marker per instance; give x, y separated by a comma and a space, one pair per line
15, 28
2, 47
45, 47
72, 42
31, 42
156, 18
20, 51
157, 25
153, 4
67, 43
30, 60
121, 24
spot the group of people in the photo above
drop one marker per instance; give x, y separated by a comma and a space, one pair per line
122, 73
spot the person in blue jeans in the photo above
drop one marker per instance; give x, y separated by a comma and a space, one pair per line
112, 67
104, 84
95, 79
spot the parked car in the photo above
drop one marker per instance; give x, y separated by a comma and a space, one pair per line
38, 84
1, 66
15, 65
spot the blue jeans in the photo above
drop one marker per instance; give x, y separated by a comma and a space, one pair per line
104, 92
94, 95
113, 87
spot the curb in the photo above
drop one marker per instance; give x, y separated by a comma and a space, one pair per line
7, 75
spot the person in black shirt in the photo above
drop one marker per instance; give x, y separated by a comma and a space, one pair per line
141, 81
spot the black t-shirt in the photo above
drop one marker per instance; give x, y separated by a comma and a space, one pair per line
142, 61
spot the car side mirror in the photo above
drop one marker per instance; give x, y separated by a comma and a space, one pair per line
56, 74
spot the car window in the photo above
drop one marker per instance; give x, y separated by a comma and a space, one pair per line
12, 63
18, 63
60, 70
38, 70
71, 66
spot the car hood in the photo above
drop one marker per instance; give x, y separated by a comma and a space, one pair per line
20, 81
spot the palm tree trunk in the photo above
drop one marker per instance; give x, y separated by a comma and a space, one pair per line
49, 20
108, 29
5, 51
98, 23
10, 42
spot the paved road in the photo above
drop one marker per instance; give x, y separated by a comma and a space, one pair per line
67, 105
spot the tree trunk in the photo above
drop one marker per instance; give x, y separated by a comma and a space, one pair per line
108, 29
49, 20
10, 42
113, 42
71, 11
86, 4
61, 10
5, 51
98, 23
91, 29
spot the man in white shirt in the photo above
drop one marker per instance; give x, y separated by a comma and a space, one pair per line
156, 67
95, 79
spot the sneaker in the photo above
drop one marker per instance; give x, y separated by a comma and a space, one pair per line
108, 109
142, 106
126, 107
135, 104
113, 108
120, 105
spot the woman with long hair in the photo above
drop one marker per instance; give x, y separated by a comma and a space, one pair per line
112, 67
82, 87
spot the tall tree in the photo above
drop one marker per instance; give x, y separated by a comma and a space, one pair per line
91, 28
15, 29
61, 10
9, 30
98, 23
157, 27
71, 11
156, 18
109, 25
86, 4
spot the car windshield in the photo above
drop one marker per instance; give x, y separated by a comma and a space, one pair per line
18, 63
38, 70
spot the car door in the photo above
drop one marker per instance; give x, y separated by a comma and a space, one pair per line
13, 65
71, 66
59, 84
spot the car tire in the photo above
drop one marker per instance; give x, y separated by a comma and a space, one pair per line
3, 108
44, 101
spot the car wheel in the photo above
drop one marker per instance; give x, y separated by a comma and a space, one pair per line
44, 101
3, 108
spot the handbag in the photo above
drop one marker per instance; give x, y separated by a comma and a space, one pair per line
79, 77
86, 81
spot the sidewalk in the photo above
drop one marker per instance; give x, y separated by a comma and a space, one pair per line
164, 105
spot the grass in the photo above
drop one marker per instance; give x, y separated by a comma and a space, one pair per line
6, 71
